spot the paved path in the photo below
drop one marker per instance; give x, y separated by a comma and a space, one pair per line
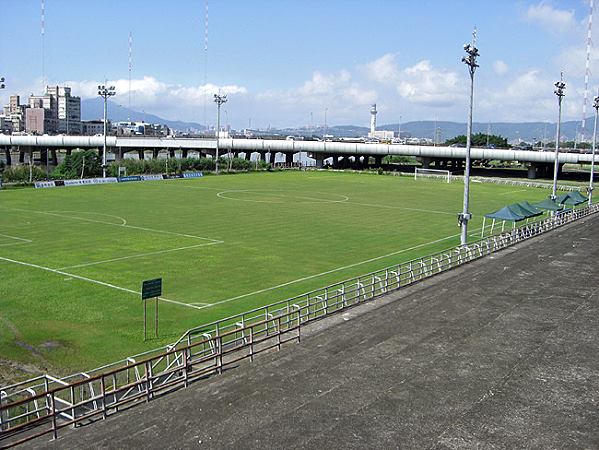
500, 353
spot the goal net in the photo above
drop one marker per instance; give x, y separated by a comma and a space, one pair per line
432, 173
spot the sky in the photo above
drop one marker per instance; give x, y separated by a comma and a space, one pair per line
286, 63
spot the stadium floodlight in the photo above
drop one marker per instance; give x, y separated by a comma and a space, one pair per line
219, 100
2, 85
590, 188
105, 92
560, 86
470, 61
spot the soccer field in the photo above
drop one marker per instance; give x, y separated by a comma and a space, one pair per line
72, 259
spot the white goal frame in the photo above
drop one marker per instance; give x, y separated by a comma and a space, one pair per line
433, 173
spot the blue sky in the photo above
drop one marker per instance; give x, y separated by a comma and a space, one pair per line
283, 62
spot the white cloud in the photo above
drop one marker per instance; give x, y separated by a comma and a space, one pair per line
423, 84
170, 100
420, 84
500, 67
553, 20
333, 89
383, 69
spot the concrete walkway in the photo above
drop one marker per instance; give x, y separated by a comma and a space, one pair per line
501, 353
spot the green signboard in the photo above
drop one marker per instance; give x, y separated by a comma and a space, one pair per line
151, 288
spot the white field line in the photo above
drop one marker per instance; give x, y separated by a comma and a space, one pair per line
330, 271
371, 205
90, 280
512, 192
139, 255
19, 240
344, 198
125, 225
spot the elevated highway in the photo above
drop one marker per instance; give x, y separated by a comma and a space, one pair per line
440, 156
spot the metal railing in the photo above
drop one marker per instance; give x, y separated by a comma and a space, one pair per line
46, 404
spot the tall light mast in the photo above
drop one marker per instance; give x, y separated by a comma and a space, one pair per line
587, 72
130, 68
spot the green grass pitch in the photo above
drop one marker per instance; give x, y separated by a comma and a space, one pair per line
72, 259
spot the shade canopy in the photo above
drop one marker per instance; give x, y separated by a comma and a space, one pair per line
548, 204
533, 209
506, 213
578, 196
524, 209
570, 199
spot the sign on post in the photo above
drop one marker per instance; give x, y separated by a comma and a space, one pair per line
151, 289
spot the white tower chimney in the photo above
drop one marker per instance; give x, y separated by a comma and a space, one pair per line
373, 119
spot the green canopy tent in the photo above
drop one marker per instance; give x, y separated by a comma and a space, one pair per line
525, 209
570, 199
533, 209
548, 205
505, 214
578, 197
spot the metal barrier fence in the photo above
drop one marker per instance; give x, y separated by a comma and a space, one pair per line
46, 404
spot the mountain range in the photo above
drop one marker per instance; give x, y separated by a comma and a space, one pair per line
92, 109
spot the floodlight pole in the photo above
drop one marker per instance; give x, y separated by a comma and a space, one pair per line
105, 92
219, 100
590, 189
470, 61
560, 86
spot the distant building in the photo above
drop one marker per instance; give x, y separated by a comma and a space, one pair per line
39, 121
67, 108
14, 116
94, 127
61, 113
382, 135
127, 128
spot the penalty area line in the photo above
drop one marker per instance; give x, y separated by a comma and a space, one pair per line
309, 277
139, 255
91, 280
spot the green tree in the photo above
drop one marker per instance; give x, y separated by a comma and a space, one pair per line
480, 140
86, 163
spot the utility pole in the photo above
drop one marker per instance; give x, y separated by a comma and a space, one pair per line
219, 100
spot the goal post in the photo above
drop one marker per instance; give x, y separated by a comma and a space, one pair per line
432, 173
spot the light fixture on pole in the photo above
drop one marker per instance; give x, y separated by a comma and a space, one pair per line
105, 92
470, 61
590, 188
560, 86
2, 85
219, 100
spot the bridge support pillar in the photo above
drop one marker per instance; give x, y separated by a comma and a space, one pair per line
184, 153
54, 157
69, 151
319, 160
154, 153
141, 154
248, 155
272, 157
171, 153
289, 158
335, 161
426, 162
21, 156
378, 161
532, 171
7, 155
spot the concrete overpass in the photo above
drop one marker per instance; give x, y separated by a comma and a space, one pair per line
341, 153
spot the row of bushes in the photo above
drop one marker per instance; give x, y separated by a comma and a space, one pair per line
23, 174
87, 164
